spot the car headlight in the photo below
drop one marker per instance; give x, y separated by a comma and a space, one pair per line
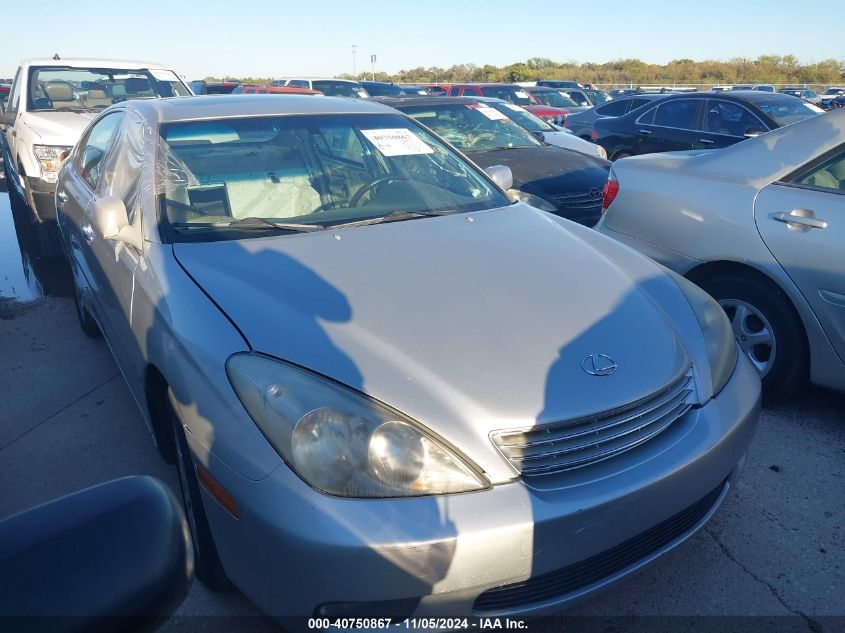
341, 442
535, 201
602, 153
50, 159
718, 333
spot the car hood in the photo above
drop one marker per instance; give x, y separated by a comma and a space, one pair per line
59, 128
468, 323
548, 170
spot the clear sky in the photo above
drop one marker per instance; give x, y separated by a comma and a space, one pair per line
264, 38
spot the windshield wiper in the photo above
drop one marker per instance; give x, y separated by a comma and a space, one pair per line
396, 216
252, 223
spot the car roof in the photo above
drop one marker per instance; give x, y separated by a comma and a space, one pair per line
349, 81
742, 96
223, 106
91, 62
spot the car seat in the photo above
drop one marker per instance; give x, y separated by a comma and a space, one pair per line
59, 92
95, 98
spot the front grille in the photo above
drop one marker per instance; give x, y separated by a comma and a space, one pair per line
559, 446
562, 582
579, 199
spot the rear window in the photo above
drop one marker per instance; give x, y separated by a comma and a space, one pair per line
339, 88
614, 108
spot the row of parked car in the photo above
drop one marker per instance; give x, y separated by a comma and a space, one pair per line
374, 344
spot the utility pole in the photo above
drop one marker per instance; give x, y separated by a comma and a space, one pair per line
373, 62
354, 66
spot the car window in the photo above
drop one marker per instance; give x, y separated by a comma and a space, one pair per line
298, 83
15, 96
578, 97
828, 175
788, 110
97, 143
332, 88
313, 170
727, 117
681, 113
472, 127
121, 166
647, 118
614, 108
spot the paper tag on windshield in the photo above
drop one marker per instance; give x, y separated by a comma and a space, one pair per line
492, 113
164, 75
397, 142
522, 94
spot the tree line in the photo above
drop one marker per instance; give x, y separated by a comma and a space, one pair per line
771, 69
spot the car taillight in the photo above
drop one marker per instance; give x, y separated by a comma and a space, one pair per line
594, 134
608, 194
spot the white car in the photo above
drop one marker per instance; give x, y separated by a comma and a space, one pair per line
761, 226
547, 132
51, 102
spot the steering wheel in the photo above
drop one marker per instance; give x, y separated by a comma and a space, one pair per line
356, 197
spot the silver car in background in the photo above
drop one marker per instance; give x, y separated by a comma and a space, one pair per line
389, 390
760, 225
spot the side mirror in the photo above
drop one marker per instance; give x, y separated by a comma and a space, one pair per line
501, 175
113, 221
754, 131
6, 118
116, 556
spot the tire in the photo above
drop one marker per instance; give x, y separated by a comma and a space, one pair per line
768, 330
622, 154
207, 565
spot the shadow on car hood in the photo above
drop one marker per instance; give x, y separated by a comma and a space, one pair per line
468, 323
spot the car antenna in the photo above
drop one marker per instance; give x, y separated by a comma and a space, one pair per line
56, 57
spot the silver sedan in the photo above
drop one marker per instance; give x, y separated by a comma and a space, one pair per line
761, 226
389, 390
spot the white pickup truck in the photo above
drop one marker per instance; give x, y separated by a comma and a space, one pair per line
50, 104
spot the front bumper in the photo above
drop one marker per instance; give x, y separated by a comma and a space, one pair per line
294, 549
41, 197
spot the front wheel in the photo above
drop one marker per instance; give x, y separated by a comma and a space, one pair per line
207, 565
767, 329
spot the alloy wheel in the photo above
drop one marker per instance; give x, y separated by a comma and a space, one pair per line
753, 333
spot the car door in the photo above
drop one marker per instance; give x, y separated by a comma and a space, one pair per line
726, 123
109, 265
802, 221
670, 126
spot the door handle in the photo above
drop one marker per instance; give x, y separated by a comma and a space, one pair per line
706, 141
88, 232
803, 218
62, 196
646, 132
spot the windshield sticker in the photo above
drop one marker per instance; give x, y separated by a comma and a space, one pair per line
492, 113
164, 75
522, 94
397, 142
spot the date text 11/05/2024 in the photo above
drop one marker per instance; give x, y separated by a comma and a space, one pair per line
415, 624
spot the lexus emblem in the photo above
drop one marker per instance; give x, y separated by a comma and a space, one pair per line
599, 365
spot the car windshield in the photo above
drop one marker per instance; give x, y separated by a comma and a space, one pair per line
53, 89
554, 98
241, 177
514, 94
472, 127
332, 88
832, 92
788, 110
522, 116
